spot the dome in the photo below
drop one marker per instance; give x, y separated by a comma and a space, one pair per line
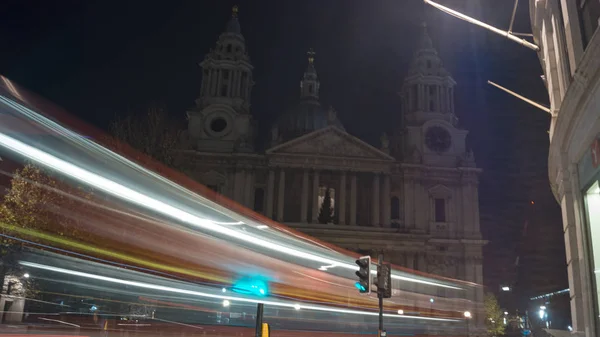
304, 118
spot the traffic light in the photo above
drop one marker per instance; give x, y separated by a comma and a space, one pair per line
384, 280
364, 275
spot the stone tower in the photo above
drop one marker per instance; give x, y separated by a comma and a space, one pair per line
221, 120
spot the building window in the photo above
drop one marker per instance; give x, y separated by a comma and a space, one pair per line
414, 100
428, 64
225, 74
259, 200
311, 89
589, 13
431, 106
229, 48
224, 90
395, 208
440, 210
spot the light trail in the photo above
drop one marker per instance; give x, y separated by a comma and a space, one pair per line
222, 297
144, 201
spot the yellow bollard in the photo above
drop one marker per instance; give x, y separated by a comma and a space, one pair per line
265, 330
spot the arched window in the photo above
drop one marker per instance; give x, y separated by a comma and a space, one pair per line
395, 208
229, 48
259, 200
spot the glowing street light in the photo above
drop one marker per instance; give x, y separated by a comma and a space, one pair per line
26, 275
467, 314
226, 303
400, 312
505, 288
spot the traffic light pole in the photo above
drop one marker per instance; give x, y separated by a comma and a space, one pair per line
259, 319
380, 296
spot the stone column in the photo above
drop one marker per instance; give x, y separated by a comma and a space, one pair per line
304, 201
280, 195
249, 190
342, 200
315, 197
385, 201
375, 209
451, 99
410, 260
270, 193
422, 262
353, 199
219, 81
439, 98
421, 98
238, 192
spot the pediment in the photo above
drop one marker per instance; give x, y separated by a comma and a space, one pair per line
331, 142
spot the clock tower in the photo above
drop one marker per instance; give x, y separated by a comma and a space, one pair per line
431, 136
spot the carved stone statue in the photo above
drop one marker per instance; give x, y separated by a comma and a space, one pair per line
331, 115
385, 142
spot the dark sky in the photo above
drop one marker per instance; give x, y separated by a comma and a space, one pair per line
102, 58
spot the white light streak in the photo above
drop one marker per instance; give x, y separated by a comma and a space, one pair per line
58, 321
220, 297
140, 199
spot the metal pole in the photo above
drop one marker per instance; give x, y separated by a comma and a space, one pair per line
484, 25
259, 319
535, 104
380, 294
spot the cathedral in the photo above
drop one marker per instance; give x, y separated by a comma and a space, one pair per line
413, 197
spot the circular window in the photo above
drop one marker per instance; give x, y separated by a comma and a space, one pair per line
218, 124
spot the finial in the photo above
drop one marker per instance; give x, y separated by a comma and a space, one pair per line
311, 56
234, 11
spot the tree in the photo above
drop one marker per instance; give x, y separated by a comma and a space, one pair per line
493, 316
153, 134
326, 211
37, 201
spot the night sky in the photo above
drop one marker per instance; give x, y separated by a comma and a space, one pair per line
99, 59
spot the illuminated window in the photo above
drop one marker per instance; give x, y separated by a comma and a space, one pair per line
440, 210
322, 192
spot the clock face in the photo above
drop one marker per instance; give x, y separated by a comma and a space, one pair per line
437, 139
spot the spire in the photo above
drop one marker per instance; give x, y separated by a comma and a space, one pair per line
311, 56
309, 86
311, 62
425, 41
233, 26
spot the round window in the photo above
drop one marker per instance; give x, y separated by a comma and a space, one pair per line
218, 124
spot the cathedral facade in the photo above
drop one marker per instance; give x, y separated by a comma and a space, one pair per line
413, 197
